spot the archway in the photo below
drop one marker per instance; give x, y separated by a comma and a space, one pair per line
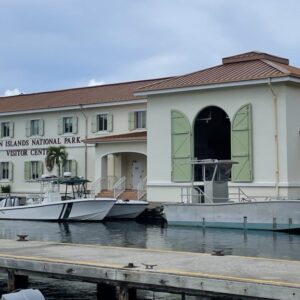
211, 136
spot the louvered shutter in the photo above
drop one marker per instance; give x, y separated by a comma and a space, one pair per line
73, 167
94, 123
11, 129
27, 168
41, 127
28, 128
74, 124
60, 125
109, 122
181, 147
131, 120
241, 145
10, 171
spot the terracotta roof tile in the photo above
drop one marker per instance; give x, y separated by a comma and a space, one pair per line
71, 97
125, 137
247, 66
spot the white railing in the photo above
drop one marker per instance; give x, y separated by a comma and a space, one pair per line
105, 183
192, 194
119, 187
142, 188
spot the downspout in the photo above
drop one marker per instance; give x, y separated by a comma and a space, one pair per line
275, 111
85, 144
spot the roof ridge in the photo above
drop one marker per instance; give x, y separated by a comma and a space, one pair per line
275, 65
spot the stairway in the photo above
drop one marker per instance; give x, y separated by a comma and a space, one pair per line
105, 194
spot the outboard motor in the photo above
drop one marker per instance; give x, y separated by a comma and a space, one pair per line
28, 294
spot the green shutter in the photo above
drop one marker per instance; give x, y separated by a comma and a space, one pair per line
73, 167
94, 123
181, 147
28, 131
109, 122
41, 127
10, 171
241, 145
27, 170
40, 168
131, 120
11, 129
74, 124
60, 125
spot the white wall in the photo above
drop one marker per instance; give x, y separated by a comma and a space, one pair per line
230, 100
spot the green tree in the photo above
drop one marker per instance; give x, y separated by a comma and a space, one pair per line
56, 156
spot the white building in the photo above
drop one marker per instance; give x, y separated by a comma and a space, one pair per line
246, 109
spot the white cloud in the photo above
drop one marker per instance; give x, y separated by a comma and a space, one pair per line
94, 82
13, 92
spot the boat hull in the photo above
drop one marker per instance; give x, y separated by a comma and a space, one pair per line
127, 209
261, 215
70, 210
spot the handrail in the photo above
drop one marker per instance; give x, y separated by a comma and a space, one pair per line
142, 188
119, 187
103, 183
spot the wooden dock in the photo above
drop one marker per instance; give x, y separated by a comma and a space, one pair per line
128, 269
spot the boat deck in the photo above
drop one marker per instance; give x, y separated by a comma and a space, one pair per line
183, 272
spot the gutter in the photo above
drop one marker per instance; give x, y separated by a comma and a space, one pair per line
275, 113
85, 145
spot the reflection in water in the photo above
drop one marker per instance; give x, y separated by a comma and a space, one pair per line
133, 234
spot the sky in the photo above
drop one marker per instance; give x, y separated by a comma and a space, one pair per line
59, 44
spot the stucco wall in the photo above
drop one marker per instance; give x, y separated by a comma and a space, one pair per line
230, 100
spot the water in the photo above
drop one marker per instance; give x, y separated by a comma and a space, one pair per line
134, 234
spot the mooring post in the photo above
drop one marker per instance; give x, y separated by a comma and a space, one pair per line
15, 282
106, 291
126, 293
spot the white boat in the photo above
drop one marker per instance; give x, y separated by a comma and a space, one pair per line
127, 209
50, 205
211, 207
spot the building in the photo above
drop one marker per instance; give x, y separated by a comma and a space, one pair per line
246, 109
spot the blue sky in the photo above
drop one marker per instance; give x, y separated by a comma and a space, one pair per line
57, 44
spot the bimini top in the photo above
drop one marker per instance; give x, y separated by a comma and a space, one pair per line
250, 67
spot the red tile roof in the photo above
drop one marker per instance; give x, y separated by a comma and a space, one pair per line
248, 66
71, 97
126, 137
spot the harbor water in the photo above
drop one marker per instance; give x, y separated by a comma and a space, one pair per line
151, 236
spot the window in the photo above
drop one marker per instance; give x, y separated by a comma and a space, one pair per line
33, 170
140, 119
6, 129
70, 166
68, 124
4, 170
102, 122
137, 120
34, 127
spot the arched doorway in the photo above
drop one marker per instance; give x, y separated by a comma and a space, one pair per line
211, 136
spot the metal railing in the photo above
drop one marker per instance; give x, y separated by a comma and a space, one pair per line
119, 187
142, 188
103, 183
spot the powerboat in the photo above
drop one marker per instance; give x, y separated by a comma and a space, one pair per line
51, 205
127, 209
207, 204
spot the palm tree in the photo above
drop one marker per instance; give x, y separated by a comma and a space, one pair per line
56, 156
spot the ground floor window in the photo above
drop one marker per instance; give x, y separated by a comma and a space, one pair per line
70, 166
33, 170
4, 170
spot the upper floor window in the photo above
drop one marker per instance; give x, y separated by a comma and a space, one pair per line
67, 125
137, 120
6, 129
34, 127
102, 122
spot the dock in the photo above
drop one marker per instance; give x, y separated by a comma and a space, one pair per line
119, 272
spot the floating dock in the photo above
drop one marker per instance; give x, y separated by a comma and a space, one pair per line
128, 269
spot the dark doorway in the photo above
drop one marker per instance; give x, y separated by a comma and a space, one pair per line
211, 136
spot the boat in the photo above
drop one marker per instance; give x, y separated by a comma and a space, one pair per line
127, 209
51, 205
207, 204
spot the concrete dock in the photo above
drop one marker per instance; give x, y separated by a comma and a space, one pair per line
130, 269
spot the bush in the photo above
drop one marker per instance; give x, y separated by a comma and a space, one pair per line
5, 189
